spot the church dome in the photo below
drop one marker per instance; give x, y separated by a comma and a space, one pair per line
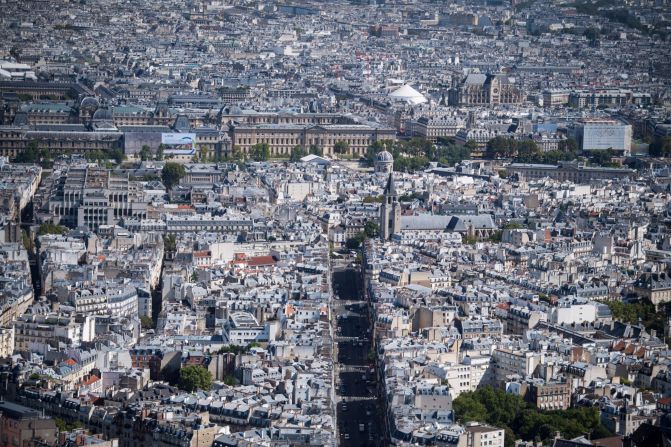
103, 114
89, 103
384, 157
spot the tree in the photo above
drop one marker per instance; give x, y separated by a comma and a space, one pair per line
500, 147
170, 243
195, 377
355, 242
371, 229
660, 147
592, 34
237, 154
63, 425
31, 154
472, 145
260, 152
146, 322
296, 154
522, 420
49, 228
159, 152
203, 154
145, 153
117, 155
373, 199
171, 174
341, 147
603, 158
316, 150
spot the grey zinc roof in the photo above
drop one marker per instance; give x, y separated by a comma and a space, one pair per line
448, 223
475, 78
425, 222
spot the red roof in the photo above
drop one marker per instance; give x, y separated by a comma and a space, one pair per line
261, 260
90, 380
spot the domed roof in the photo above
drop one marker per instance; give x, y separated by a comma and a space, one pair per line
407, 94
384, 156
103, 114
89, 103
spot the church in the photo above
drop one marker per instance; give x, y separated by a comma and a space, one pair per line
390, 211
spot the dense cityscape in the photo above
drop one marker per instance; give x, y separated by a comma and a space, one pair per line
234, 223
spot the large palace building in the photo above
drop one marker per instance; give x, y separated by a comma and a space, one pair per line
281, 138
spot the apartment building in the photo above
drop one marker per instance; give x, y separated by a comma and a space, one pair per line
78, 195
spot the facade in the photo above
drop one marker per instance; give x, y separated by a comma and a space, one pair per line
606, 98
485, 89
49, 329
477, 435
521, 319
597, 135
511, 363
282, 138
571, 171
57, 140
160, 363
18, 184
119, 301
23, 426
6, 341
555, 98
242, 328
206, 222
83, 196
433, 128
655, 287
549, 395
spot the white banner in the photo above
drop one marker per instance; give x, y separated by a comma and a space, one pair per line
178, 139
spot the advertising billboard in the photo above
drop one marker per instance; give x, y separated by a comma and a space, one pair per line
178, 139
179, 143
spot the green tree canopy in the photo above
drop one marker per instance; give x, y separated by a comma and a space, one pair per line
416, 153
49, 228
316, 150
297, 153
145, 153
522, 420
660, 147
170, 242
171, 174
146, 322
31, 154
195, 377
356, 241
340, 147
260, 152
371, 229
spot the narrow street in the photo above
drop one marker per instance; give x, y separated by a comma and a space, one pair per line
359, 415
